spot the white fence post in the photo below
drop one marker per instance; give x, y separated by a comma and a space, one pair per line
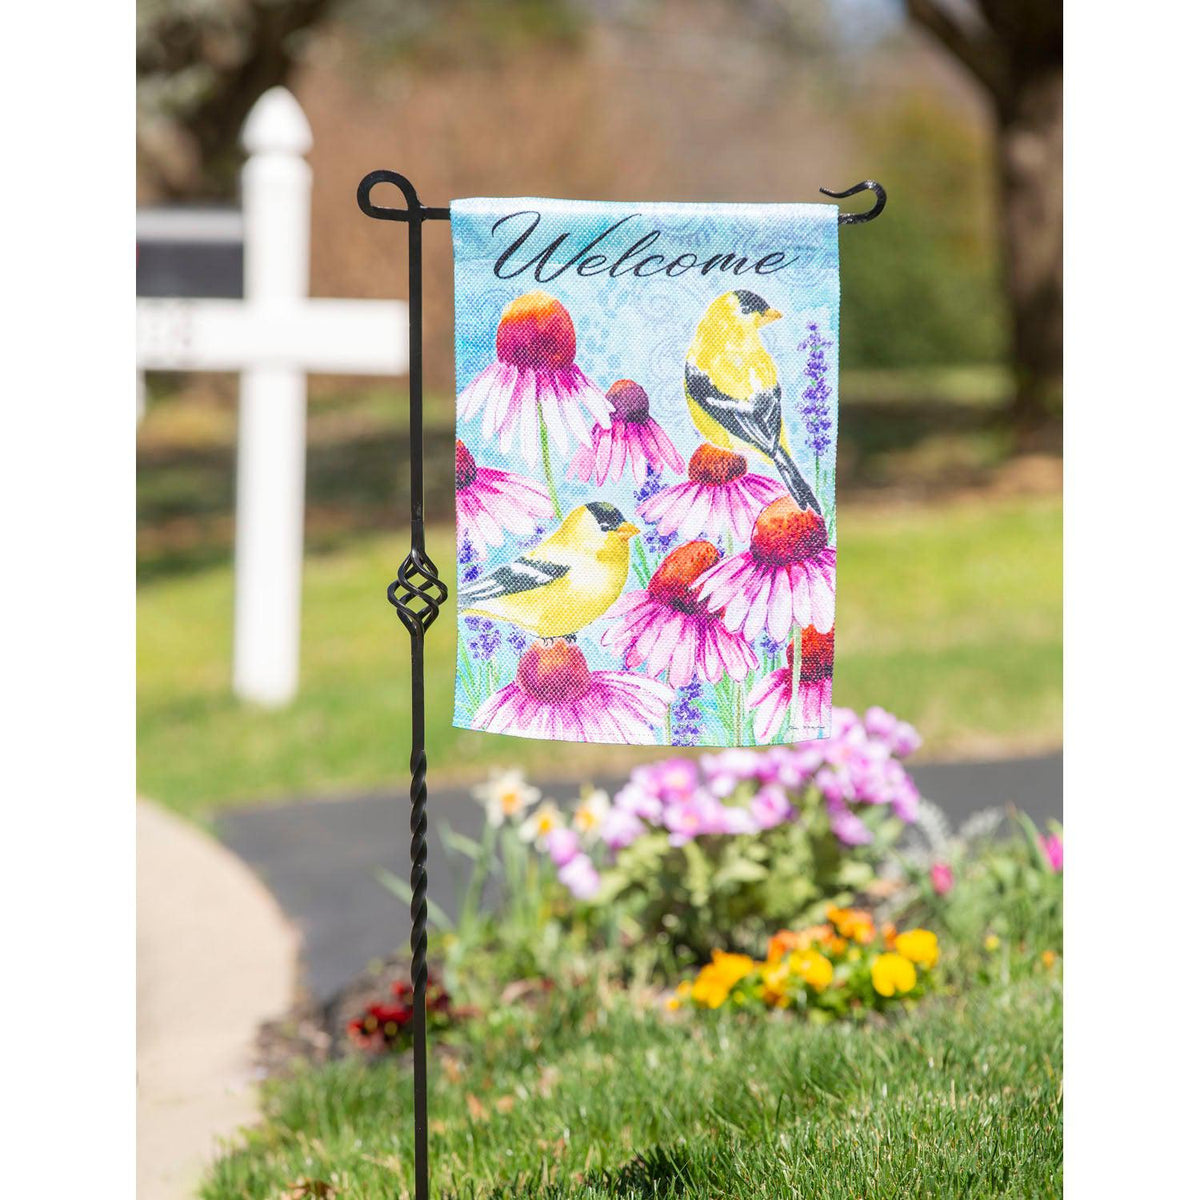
274, 337
269, 543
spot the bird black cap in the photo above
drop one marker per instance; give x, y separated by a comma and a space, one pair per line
608, 516
751, 302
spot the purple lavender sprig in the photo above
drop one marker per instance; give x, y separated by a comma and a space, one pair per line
686, 718
539, 532
466, 559
486, 641
770, 647
654, 542
817, 421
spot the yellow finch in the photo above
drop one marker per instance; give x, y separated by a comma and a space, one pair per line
565, 582
732, 386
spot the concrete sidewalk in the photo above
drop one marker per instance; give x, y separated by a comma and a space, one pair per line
216, 957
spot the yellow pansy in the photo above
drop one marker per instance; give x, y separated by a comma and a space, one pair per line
991, 943
918, 946
892, 973
775, 977
813, 967
714, 981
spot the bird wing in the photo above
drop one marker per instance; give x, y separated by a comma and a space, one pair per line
521, 575
757, 419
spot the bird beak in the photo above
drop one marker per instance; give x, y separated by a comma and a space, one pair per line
627, 530
771, 314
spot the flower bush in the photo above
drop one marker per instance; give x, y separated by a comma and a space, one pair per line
716, 853
839, 968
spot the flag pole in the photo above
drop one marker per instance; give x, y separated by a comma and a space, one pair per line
417, 595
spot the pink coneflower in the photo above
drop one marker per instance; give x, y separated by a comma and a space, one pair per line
632, 434
784, 579
535, 373
718, 499
556, 695
814, 686
669, 629
492, 503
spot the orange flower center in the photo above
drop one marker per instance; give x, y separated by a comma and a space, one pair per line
629, 401
673, 582
714, 467
816, 657
554, 674
536, 332
464, 467
786, 533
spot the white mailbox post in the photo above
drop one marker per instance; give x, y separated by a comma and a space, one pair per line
274, 337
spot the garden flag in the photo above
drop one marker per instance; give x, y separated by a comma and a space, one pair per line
644, 473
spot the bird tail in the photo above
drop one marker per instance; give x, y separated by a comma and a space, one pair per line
793, 480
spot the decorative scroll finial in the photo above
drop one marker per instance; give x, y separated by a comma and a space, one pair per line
867, 185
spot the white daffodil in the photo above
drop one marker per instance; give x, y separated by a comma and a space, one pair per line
593, 808
505, 796
546, 817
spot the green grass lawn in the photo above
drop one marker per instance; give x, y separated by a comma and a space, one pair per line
949, 615
961, 1098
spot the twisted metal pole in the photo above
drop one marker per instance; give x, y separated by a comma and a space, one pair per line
417, 594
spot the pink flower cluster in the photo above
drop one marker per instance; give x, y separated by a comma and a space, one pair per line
858, 764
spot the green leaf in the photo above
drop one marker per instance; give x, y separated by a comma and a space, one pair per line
401, 888
739, 870
464, 845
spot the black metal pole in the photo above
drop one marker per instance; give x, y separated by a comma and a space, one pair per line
416, 594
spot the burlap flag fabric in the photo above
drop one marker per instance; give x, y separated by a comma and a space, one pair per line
646, 430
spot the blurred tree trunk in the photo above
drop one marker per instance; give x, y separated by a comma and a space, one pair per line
200, 70
1014, 49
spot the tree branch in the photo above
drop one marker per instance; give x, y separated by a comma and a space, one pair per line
980, 52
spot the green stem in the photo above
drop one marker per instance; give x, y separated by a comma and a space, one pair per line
641, 564
546, 462
797, 666
483, 863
